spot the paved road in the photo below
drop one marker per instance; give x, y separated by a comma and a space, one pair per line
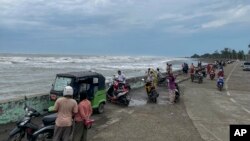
212, 111
203, 113
148, 122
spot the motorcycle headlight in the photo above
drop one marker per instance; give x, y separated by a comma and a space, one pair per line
110, 84
29, 113
26, 109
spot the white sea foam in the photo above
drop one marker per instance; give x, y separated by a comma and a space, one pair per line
89, 59
24, 74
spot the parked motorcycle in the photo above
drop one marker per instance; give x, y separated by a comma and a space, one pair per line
33, 132
212, 75
220, 83
204, 74
119, 93
197, 76
151, 92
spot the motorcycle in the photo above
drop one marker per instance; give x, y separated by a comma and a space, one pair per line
198, 76
151, 92
220, 83
204, 74
119, 93
32, 131
212, 75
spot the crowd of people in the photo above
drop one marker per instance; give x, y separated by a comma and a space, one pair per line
156, 77
72, 117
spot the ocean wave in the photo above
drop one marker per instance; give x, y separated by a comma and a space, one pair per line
35, 73
85, 59
6, 62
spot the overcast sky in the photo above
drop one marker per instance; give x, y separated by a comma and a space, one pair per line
126, 27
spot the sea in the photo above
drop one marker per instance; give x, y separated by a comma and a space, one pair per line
29, 74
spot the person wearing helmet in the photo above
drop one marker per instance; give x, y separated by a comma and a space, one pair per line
66, 107
121, 77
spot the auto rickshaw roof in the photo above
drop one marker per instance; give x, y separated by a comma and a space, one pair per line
81, 74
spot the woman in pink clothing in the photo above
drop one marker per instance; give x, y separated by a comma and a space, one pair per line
84, 113
171, 87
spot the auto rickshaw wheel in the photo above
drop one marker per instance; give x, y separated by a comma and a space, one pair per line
100, 108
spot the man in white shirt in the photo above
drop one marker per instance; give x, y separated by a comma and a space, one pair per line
121, 77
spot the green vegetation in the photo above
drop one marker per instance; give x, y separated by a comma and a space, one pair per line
227, 53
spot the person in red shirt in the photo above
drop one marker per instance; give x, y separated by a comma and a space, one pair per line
209, 67
220, 73
84, 113
192, 69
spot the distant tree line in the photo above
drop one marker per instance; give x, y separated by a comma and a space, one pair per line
226, 53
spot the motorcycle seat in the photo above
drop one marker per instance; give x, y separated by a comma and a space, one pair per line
49, 119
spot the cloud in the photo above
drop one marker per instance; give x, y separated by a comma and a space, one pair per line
103, 17
239, 14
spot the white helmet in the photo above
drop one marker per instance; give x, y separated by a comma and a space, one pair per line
68, 90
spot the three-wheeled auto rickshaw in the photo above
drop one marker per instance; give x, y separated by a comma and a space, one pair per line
85, 82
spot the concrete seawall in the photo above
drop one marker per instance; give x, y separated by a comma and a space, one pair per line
12, 110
